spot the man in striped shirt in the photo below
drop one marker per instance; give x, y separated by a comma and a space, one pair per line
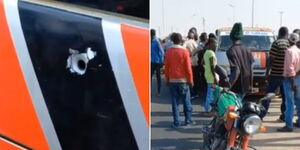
276, 62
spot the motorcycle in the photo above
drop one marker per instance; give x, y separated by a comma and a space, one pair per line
234, 122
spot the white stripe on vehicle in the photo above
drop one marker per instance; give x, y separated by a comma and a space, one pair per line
14, 23
123, 75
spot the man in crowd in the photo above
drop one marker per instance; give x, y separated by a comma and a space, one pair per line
240, 60
192, 46
157, 56
297, 31
202, 47
291, 83
179, 77
203, 41
276, 61
194, 30
210, 62
169, 42
211, 35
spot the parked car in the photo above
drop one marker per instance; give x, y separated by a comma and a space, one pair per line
259, 41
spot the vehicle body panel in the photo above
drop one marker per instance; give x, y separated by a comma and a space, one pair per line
47, 106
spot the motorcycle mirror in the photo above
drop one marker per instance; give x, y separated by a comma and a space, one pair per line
270, 95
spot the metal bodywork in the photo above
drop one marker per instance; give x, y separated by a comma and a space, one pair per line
45, 105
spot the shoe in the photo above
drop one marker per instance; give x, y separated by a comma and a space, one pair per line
279, 120
285, 129
194, 96
176, 127
211, 113
208, 114
157, 94
190, 123
297, 125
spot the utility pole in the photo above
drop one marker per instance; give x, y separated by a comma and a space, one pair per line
163, 16
203, 21
159, 33
281, 13
252, 13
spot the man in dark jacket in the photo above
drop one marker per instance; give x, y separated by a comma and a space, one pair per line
202, 47
240, 60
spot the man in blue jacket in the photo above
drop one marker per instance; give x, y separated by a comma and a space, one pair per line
157, 59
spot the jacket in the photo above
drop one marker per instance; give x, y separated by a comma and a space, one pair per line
240, 60
157, 52
178, 66
192, 46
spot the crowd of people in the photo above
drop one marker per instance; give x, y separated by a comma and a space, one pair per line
190, 66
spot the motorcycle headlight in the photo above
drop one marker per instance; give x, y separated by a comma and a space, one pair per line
252, 124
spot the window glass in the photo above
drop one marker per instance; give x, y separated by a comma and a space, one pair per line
136, 8
253, 42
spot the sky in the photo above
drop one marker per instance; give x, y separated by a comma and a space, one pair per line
168, 16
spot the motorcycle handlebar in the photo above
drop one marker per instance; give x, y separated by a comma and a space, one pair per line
269, 96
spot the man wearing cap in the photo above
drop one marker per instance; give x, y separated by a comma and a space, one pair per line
291, 83
240, 60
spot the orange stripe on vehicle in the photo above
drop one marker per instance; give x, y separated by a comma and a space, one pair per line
136, 43
17, 115
5, 145
263, 60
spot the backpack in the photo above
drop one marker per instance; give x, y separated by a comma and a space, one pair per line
224, 99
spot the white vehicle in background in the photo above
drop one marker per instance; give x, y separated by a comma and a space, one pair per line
259, 41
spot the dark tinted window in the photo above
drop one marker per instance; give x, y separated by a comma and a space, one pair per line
137, 8
253, 42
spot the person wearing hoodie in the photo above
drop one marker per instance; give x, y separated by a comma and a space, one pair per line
240, 60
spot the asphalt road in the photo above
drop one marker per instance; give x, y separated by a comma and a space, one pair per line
163, 137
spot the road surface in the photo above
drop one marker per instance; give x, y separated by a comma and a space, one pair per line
163, 137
